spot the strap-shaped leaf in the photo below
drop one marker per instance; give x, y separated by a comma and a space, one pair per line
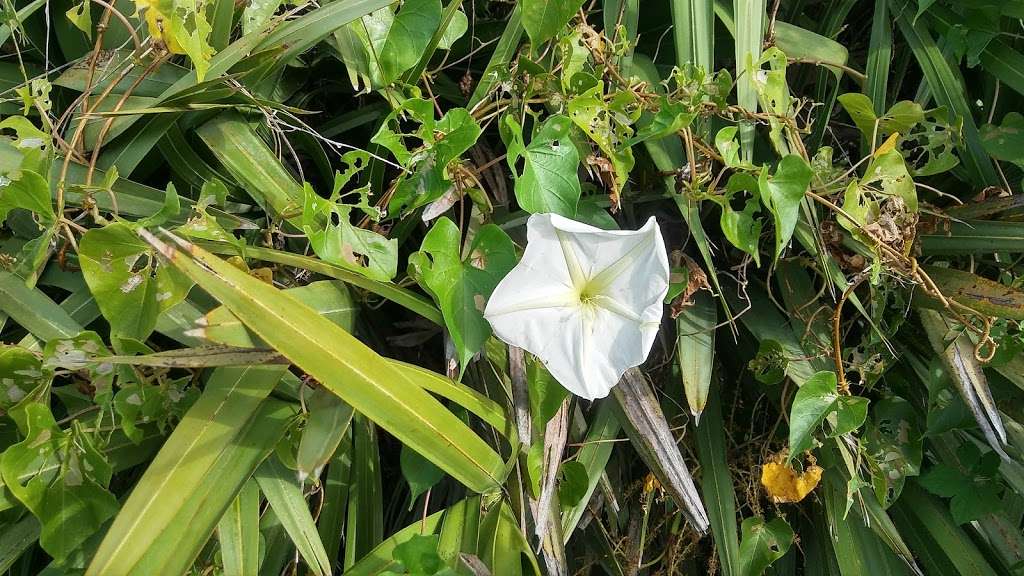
343, 365
174, 508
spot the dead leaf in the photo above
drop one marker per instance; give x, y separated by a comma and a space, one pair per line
697, 280
786, 485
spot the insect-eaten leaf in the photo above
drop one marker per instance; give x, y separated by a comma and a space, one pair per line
894, 447
181, 26
131, 288
440, 144
327, 223
61, 478
742, 227
548, 182
461, 287
762, 544
769, 365
608, 123
21, 372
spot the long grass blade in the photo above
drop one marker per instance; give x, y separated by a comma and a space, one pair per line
696, 347
344, 366
284, 493
750, 18
173, 509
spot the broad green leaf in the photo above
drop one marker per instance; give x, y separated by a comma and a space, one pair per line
543, 19
130, 286
782, 193
888, 172
419, 473
410, 32
328, 422
28, 150
901, 118
456, 29
762, 544
461, 286
801, 43
418, 556
1006, 141
572, 484
548, 182
815, 399
70, 500
359, 45
344, 366
851, 411
29, 192
382, 557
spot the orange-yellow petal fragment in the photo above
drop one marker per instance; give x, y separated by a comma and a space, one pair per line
784, 484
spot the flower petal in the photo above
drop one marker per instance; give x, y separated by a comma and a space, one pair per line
639, 280
586, 346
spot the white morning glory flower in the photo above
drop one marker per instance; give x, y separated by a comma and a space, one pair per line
586, 301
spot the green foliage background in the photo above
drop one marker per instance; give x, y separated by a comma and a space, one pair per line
245, 249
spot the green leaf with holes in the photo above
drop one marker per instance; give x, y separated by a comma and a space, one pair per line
460, 286
762, 544
548, 181
130, 287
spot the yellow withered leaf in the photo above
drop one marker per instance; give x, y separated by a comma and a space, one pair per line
784, 484
159, 23
888, 146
